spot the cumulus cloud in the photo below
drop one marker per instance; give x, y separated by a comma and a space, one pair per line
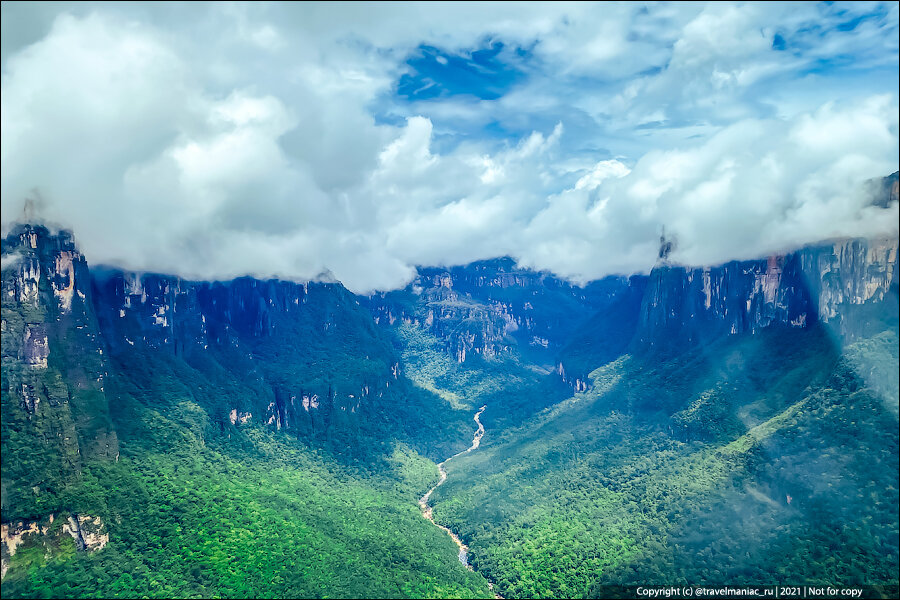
216, 142
755, 187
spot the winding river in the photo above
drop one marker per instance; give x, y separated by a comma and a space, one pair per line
423, 501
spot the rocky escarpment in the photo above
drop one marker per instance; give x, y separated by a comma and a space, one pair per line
276, 336
489, 307
850, 285
55, 408
603, 337
466, 325
844, 284
80, 344
885, 191
50, 536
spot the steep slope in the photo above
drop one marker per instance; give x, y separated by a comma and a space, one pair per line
848, 284
750, 434
494, 333
55, 407
154, 429
751, 458
489, 308
303, 358
845, 284
604, 337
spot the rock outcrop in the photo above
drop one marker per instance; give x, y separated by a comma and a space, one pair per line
87, 532
300, 357
53, 367
838, 283
850, 285
271, 331
489, 307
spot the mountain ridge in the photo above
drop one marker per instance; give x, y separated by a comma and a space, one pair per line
92, 357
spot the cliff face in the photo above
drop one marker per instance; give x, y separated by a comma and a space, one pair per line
55, 408
309, 359
467, 326
850, 285
50, 536
489, 307
296, 346
845, 284
80, 346
603, 337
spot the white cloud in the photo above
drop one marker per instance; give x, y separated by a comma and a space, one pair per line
602, 170
214, 144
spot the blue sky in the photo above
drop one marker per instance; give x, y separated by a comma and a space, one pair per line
288, 140
479, 73
833, 44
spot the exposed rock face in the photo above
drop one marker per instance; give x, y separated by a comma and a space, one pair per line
35, 347
849, 273
39, 255
578, 382
11, 537
488, 307
848, 284
88, 533
302, 357
160, 311
270, 330
467, 325
28, 282
835, 283
64, 278
239, 417
52, 364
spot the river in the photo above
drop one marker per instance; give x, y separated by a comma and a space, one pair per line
427, 509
